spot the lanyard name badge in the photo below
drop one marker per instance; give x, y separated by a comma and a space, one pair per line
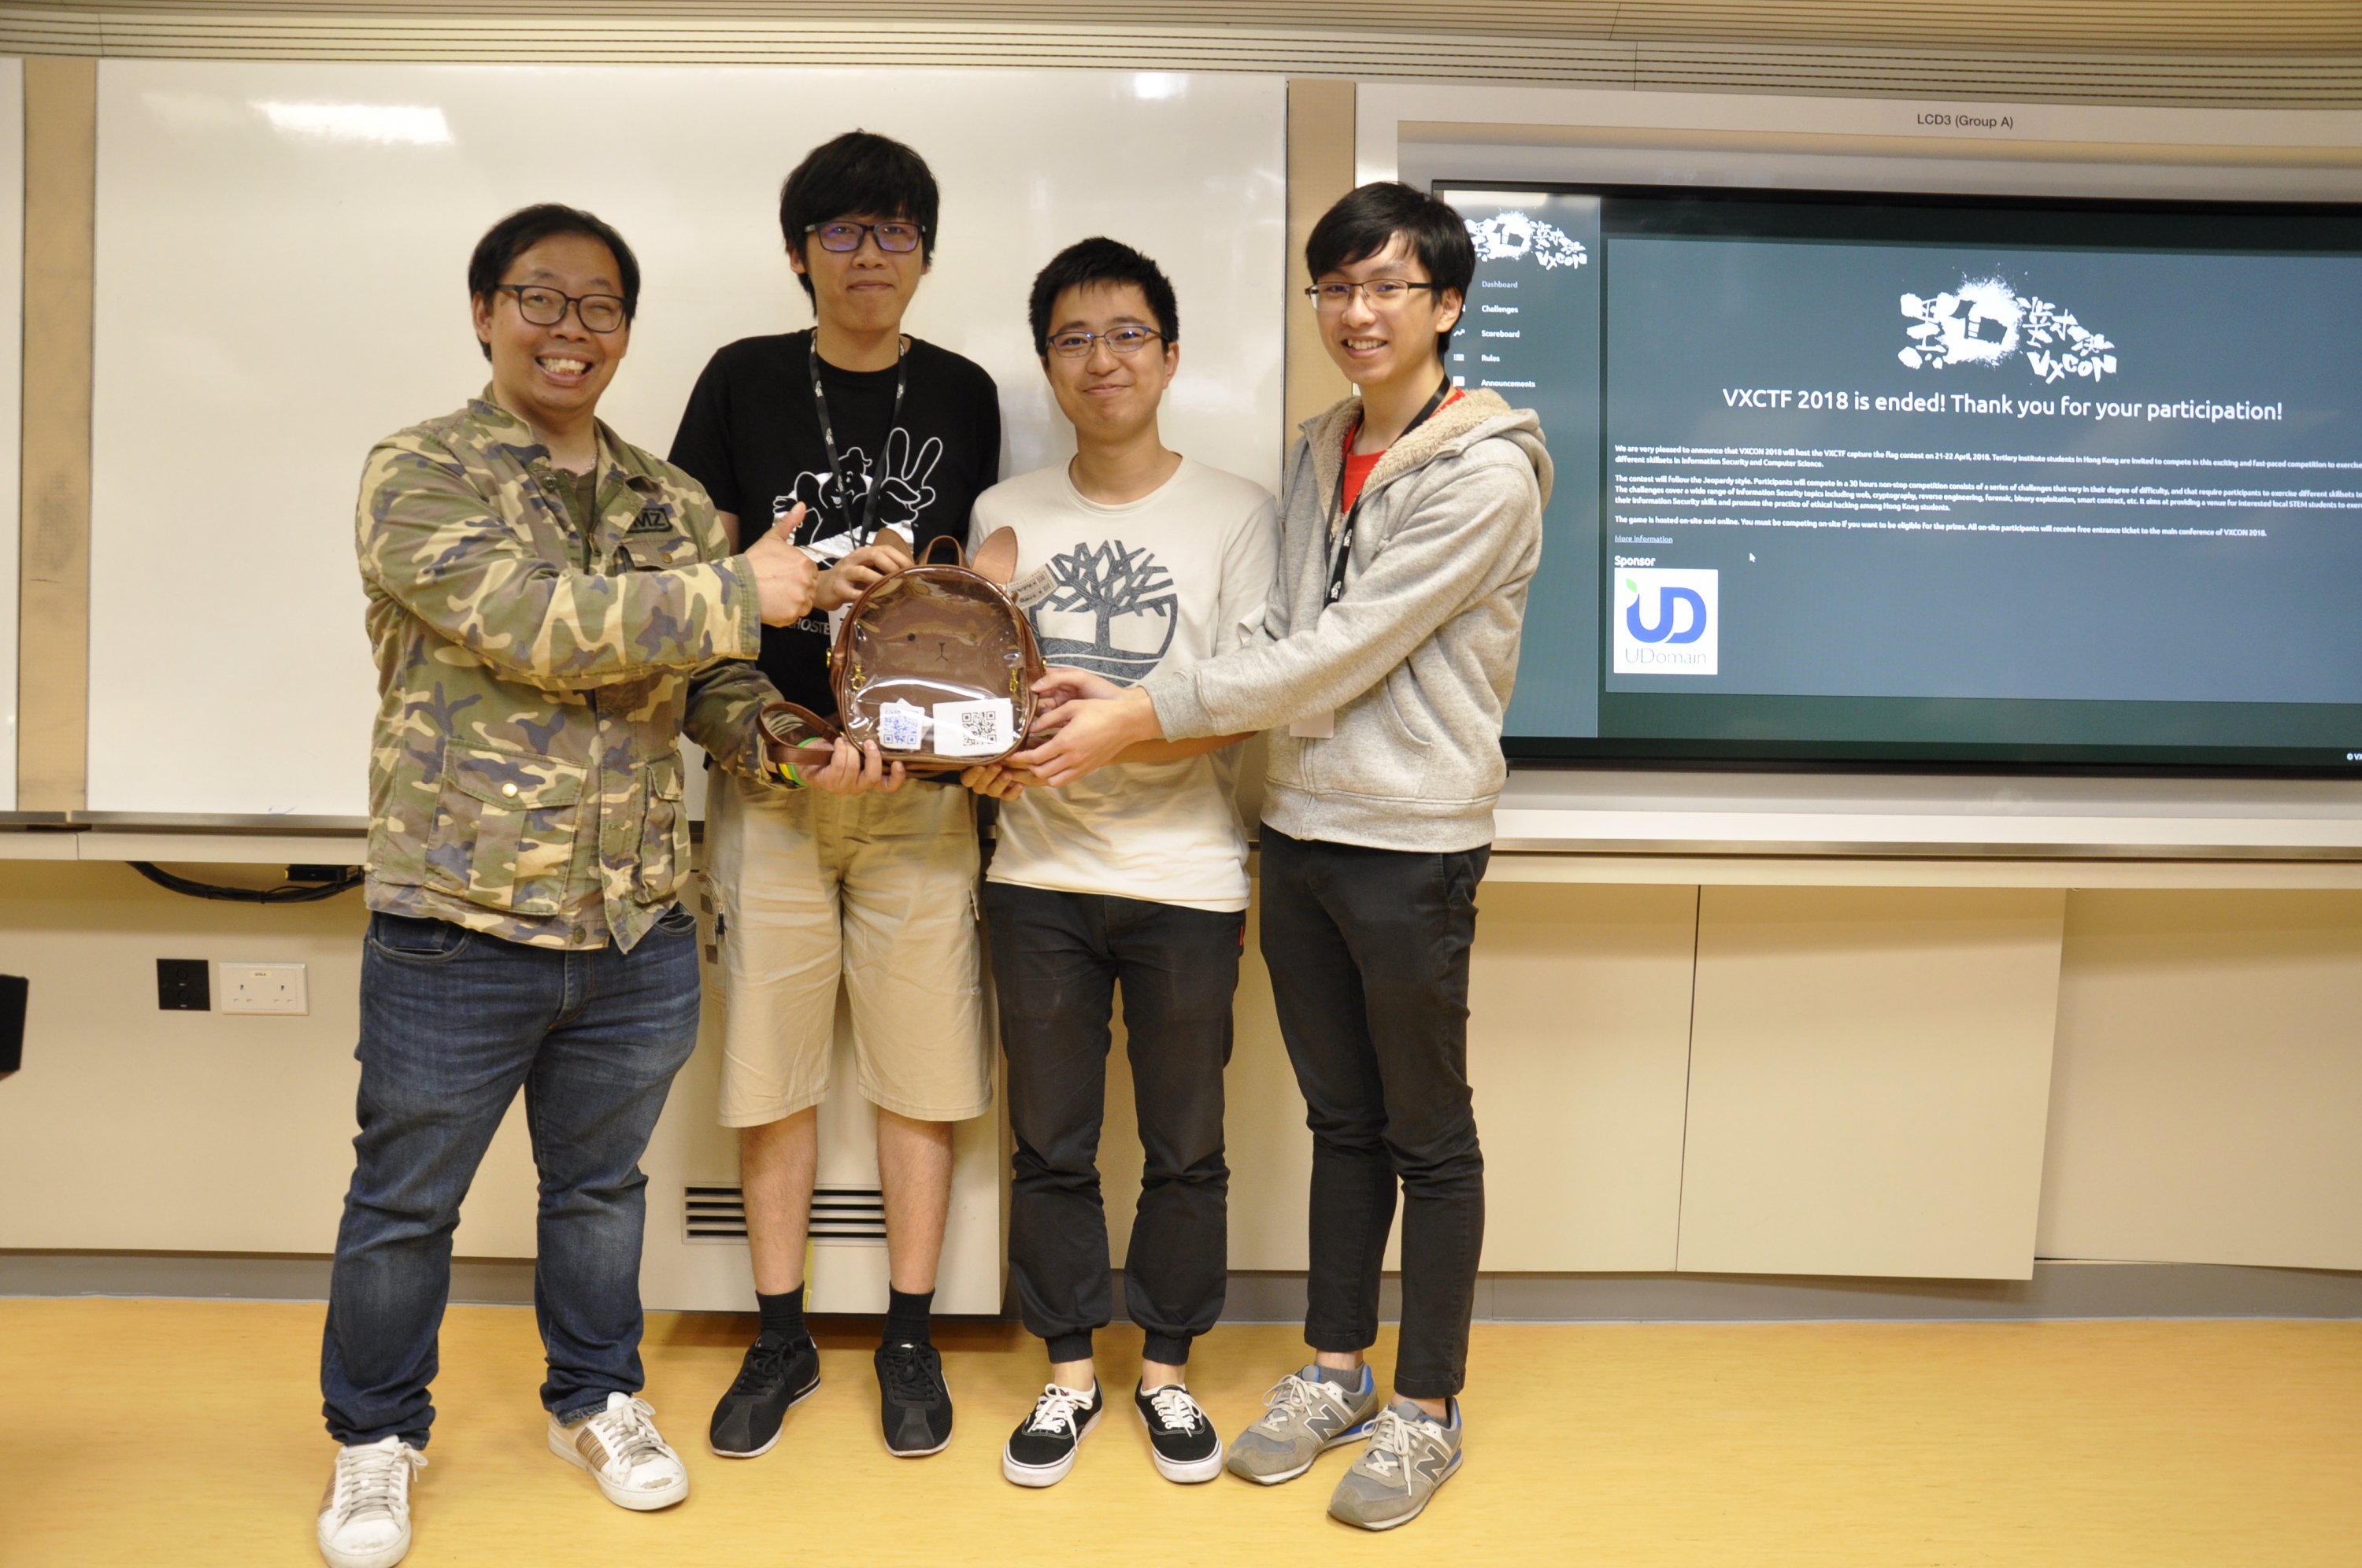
1322, 725
866, 531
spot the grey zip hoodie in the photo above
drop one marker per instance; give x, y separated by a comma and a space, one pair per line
1416, 657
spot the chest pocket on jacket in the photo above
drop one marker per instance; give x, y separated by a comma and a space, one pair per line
505, 825
664, 836
655, 543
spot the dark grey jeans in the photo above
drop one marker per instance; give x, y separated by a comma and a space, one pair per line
1056, 960
1368, 950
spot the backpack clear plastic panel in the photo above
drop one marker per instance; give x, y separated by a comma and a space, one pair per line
936, 665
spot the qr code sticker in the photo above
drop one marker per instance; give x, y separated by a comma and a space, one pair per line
974, 729
902, 726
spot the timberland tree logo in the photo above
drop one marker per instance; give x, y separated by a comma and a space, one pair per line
1987, 322
1111, 610
1505, 236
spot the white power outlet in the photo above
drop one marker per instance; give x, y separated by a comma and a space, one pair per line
264, 987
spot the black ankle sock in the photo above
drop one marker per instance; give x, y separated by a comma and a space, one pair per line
784, 1314
906, 1316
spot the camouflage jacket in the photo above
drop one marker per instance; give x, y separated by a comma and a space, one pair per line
524, 777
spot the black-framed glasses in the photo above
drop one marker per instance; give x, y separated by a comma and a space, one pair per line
1125, 340
843, 235
1384, 294
546, 307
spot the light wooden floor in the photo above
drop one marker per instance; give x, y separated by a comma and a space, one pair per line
187, 1433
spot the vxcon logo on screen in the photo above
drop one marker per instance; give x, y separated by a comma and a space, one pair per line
1985, 321
1505, 236
1665, 620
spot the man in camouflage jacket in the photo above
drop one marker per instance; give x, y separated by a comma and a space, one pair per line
525, 779
551, 608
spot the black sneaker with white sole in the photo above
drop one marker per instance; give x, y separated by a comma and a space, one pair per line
775, 1377
1180, 1435
1041, 1450
914, 1404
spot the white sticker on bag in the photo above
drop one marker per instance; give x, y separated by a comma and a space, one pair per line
974, 729
902, 726
1321, 725
1032, 588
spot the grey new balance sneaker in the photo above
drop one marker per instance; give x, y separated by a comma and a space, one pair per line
1410, 1454
1303, 1417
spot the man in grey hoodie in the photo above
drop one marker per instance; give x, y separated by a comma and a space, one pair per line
1410, 527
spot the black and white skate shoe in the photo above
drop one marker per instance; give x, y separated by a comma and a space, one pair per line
1041, 1450
1180, 1435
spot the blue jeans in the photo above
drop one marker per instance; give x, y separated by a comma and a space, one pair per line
453, 1024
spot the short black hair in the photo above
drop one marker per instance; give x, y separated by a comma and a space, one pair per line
1101, 260
529, 227
1364, 220
859, 171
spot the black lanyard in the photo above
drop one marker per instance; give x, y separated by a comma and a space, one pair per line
868, 528
1345, 545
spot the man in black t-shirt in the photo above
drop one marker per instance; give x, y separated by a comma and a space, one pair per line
751, 435
869, 445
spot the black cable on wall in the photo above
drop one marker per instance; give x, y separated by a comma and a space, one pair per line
306, 892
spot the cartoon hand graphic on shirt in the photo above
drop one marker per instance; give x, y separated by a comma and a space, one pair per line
907, 492
831, 507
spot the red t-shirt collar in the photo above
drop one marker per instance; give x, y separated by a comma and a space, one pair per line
1358, 467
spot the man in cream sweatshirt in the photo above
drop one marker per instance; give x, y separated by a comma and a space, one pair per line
1410, 527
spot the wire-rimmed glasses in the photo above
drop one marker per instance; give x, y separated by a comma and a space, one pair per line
1123, 340
1384, 294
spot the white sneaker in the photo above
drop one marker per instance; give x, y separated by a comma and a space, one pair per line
621, 1448
365, 1515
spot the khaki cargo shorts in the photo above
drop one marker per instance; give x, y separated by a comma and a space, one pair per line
877, 888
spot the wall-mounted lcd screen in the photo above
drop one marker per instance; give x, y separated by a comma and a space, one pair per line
1932, 480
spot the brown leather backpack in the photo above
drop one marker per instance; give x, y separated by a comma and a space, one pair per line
937, 664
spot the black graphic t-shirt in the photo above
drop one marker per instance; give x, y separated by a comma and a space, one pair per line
752, 438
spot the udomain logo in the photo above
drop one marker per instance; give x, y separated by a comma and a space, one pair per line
1665, 620
1987, 322
1507, 236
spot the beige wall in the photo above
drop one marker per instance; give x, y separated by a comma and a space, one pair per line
2206, 1102
1867, 1073
142, 1130
1320, 170
2203, 1102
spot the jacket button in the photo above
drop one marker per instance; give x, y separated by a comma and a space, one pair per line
508, 788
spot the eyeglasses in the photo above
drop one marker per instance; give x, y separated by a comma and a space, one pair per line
1384, 294
1125, 340
546, 307
841, 236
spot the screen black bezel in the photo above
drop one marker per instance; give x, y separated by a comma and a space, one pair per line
1941, 219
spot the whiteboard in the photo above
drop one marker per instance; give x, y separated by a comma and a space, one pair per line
12, 382
281, 255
